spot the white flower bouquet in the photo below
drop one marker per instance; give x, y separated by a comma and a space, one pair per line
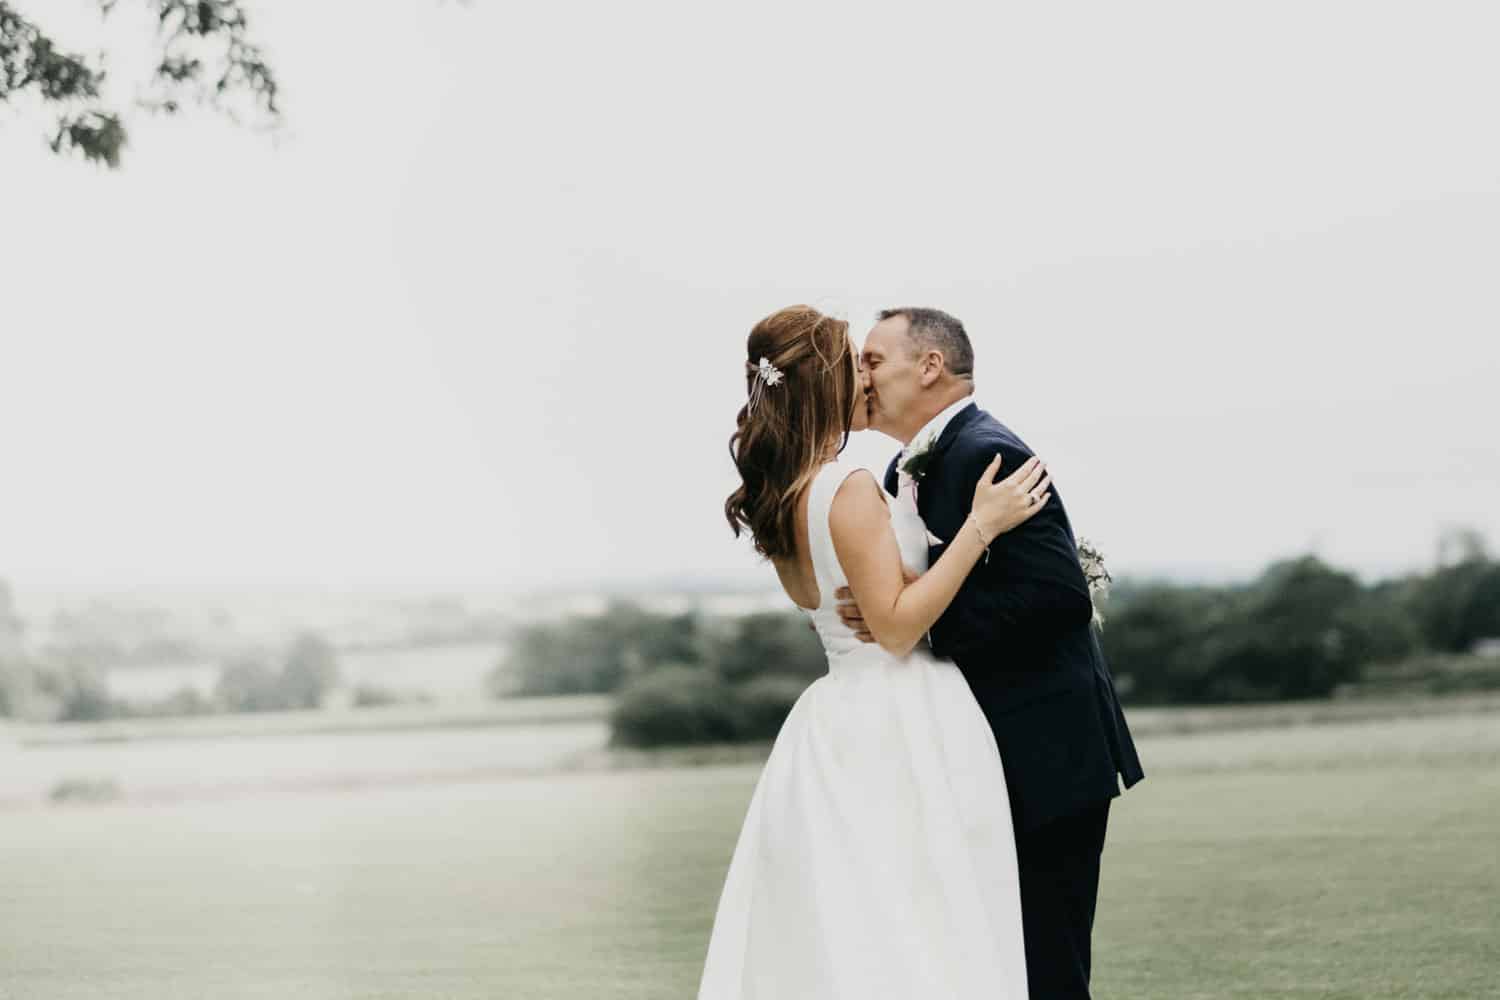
1092, 561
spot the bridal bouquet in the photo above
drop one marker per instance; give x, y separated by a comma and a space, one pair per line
1092, 561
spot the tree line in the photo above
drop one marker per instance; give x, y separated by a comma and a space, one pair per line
300, 676
1301, 629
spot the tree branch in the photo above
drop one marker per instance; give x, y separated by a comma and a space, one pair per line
206, 56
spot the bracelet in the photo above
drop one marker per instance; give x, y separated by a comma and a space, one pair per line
982, 542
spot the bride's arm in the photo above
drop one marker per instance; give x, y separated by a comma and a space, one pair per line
898, 613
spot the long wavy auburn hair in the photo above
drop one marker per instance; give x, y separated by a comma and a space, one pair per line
779, 443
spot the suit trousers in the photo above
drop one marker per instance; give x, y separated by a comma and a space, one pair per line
1059, 869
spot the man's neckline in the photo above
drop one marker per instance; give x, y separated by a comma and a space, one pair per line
939, 422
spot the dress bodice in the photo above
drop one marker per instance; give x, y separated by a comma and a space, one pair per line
911, 539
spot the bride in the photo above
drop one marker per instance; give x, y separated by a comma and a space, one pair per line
877, 858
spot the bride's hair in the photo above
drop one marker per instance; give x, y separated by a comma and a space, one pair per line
780, 440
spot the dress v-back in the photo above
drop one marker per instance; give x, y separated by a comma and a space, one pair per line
877, 859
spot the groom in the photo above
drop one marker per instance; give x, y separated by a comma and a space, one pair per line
1019, 630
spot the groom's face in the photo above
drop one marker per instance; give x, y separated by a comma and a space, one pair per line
892, 378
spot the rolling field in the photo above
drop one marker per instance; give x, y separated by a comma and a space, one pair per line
1336, 860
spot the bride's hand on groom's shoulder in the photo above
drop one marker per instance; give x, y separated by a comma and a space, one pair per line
849, 611
1001, 506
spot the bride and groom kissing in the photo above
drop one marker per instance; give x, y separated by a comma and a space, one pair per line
931, 817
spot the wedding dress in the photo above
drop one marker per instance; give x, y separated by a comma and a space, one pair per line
877, 858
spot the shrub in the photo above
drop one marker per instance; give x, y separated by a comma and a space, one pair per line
183, 701
675, 704
764, 703
770, 642
596, 653
373, 696
85, 790
310, 671
248, 684
80, 693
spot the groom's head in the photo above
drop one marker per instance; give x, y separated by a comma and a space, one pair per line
916, 363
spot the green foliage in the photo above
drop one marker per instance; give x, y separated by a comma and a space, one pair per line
597, 654
764, 703
1432, 674
1480, 617
1302, 630
679, 678
183, 701
675, 704
1293, 637
85, 790
311, 670
80, 693
203, 54
1457, 604
1161, 640
769, 642
12, 682
249, 684
374, 696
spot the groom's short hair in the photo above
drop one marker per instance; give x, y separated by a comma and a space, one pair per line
933, 329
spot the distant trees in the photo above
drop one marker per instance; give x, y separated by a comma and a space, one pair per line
12, 659
768, 642
597, 653
1456, 604
67, 690
79, 693
308, 672
676, 704
1301, 630
679, 678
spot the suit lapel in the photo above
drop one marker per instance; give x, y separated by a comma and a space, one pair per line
961, 419
928, 489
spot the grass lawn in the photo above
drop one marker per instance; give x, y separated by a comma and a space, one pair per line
1339, 860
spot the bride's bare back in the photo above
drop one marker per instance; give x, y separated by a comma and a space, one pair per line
796, 572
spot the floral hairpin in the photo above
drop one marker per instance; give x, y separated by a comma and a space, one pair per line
765, 374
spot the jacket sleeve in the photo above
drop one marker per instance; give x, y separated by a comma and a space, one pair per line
1029, 588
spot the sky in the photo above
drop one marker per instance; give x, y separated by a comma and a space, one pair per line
476, 315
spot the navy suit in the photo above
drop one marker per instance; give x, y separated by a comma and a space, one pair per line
1020, 632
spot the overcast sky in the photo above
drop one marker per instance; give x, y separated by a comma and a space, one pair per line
478, 316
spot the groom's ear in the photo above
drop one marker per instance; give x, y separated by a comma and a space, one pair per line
930, 368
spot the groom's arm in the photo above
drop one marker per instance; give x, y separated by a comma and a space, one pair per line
1030, 587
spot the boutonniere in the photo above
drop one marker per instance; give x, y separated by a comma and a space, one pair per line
918, 459
1092, 561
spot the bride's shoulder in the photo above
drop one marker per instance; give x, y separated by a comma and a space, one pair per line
856, 493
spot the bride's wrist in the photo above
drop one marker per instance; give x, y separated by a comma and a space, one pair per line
979, 532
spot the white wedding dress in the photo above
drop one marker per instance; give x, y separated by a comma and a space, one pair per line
877, 858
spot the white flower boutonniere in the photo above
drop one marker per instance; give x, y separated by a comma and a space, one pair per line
917, 458
1092, 561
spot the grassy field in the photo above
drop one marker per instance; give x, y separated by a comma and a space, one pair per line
1350, 859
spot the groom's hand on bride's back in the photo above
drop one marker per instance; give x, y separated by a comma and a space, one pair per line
849, 611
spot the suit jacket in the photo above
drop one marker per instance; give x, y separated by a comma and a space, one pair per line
1020, 630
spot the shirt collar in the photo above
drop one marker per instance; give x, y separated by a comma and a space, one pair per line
933, 429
